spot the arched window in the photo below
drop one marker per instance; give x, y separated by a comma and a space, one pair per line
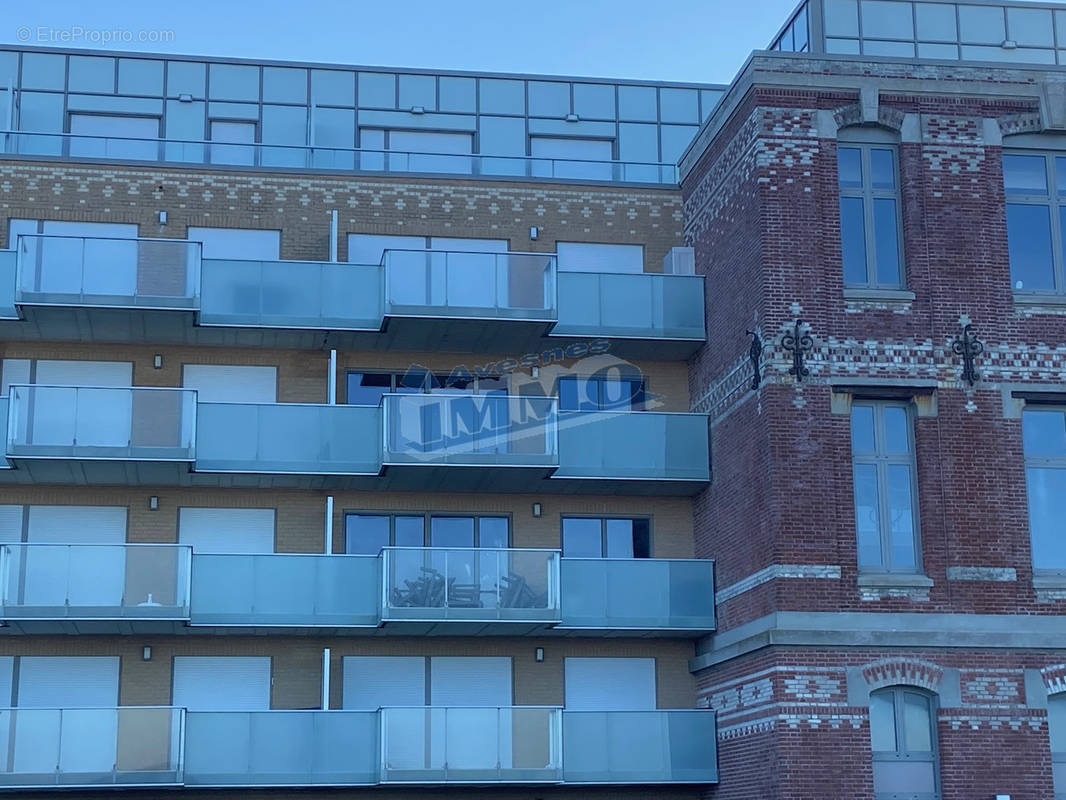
903, 738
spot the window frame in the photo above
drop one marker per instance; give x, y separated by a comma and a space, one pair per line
901, 754
638, 401
427, 530
866, 141
1058, 757
603, 519
396, 388
881, 459
1041, 462
1055, 205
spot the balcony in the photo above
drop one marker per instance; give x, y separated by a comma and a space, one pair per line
638, 594
99, 748
470, 590
65, 434
160, 290
665, 312
281, 590
639, 747
302, 158
94, 588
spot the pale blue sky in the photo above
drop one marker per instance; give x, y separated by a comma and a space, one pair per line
683, 40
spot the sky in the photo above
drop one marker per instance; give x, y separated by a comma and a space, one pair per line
703, 41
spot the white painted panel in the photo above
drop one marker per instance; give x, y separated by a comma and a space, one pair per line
58, 576
372, 682
610, 684
219, 383
365, 248
585, 257
238, 243
222, 683
227, 530
80, 741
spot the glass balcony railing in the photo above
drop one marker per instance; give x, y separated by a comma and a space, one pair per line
279, 748
470, 430
283, 589
88, 581
470, 745
634, 445
134, 746
288, 438
639, 593
637, 747
430, 283
471, 584
4, 416
97, 271
291, 294
637, 306
101, 423
7, 285
309, 157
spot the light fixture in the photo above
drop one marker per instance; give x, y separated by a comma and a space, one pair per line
184, 97
146, 654
536, 509
157, 361
535, 372
534, 231
1009, 44
153, 503
572, 118
162, 217
418, 109
538, 656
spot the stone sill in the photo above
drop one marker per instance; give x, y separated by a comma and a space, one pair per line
892, 580
861, 294
1049, 581
1037, 299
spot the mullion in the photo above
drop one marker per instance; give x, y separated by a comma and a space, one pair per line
866, 160
1054, 206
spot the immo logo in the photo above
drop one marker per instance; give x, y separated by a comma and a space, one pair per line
494, 413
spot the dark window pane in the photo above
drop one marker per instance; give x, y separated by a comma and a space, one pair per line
897, 429
492, 532
883, 168
882, 722
916, 723
862, 429
452, 532
582, 538
1047, 509
1025, 174
901, 516
1044, 433
410, 531
849, 166
1060, 175
366, 388
574, 394
619, 538
853, 241
886, 238
641, 538
625, 394
365, 534
867, 516
1029, 244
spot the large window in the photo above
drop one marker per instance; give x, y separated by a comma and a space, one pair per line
1044, 442
1056, 725
870, 215
114, 136
367, 388
366, 533
1035, 186
600, 393
606, 537
903, 740
882, 447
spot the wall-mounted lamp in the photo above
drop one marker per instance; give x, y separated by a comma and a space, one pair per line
153, 503
572, 118
534, 232
157, 361
146, 654
184, 97
418, 109
536, 509
162, 217
538, 656
535, 372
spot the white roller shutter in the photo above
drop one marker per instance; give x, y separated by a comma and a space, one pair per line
68, 682
371, 682
463, 681
77, 524
84, 373
586, 257
238, 243
367, 248
10, 525
218, 383
222, 683
227, 530
13, 370
610, 684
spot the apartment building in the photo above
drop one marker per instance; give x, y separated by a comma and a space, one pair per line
387, 432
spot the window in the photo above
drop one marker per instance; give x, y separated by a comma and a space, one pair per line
416, 151
1056, 725
606, 537
240, 142
869, 215
882, 448
1044, 444
106, 136
559, 157
600, 393
1035, 186
366, 534
367, 388
903, 740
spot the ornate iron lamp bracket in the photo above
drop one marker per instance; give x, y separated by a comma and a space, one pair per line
755, 354
967, 345
799, 343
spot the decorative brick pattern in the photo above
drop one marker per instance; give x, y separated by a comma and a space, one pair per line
893, 671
